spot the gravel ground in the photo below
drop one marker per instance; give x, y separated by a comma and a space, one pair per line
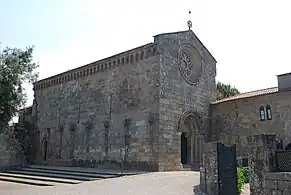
159, 183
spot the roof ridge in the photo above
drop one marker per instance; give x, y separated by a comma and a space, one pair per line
102, 60
254, 91
248, 94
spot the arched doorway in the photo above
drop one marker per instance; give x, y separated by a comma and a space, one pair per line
191, 139
184, 148
44, 149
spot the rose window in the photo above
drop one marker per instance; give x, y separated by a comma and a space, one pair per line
185, 64
190, 64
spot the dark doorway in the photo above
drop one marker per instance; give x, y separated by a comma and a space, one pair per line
183, 148
227, 173
44, 150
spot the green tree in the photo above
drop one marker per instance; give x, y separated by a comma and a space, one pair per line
224, 91
16, 67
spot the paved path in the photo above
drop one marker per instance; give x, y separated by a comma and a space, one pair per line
159, 183
10, 186
246, 190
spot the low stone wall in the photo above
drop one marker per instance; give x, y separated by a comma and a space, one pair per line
208, 171
262, 173
90, 163
10, 155
277, 183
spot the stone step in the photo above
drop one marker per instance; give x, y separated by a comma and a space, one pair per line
53, 175
190, 167
87, 170
62, 172
186, 169
28, 181
47, 179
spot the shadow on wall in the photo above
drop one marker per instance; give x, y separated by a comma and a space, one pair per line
96, 164
112, 164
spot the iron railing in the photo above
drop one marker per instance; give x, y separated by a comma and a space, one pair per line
283, 160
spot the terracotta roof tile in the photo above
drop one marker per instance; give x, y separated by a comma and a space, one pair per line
249, 94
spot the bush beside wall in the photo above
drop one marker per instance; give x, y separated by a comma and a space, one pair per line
242, 178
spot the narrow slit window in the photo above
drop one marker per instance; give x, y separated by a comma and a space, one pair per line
269, 112
262, 114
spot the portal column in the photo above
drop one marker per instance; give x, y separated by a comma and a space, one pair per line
201, 141
189, 148
192, 149
196, 150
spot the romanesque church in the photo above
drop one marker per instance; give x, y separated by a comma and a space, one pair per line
154, 104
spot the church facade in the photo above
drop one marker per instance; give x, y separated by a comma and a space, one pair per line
143, 101
151, 107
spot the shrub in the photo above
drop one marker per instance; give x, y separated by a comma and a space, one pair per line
246, 174
241, 178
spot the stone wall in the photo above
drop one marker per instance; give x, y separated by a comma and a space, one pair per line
277, 183
72, 110
262, 176
147, 88
209, 169
235, 120
179, 94
10, 154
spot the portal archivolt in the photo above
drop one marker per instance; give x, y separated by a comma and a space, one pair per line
191, 138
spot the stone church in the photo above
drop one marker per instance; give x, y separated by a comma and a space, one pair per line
151, 107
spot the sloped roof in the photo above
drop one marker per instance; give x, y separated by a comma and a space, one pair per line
249, 94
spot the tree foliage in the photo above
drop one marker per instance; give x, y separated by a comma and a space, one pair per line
225, 91
16, 67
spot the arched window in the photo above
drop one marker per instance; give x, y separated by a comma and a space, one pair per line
262, 113
269, 112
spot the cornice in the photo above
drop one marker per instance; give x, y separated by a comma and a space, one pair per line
128, 57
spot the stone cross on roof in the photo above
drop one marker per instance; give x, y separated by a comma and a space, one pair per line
189, 23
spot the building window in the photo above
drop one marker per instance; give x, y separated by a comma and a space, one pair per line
269, 112
262, 113
245, 162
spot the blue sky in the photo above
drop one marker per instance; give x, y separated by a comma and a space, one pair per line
249, 39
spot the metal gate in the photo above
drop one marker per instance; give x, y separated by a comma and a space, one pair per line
227, 173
